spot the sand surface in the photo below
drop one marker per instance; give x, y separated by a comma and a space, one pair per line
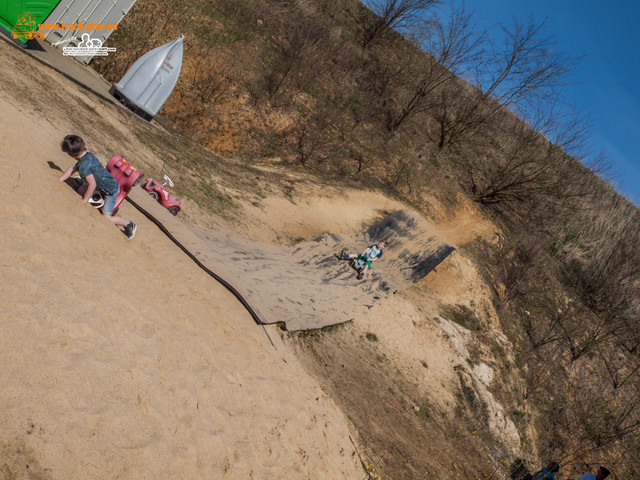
305, 285
123, 360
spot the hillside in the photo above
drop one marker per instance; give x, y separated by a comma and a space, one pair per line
477, 129
521, 344
127, 360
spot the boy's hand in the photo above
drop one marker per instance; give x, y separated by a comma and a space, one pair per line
70, 171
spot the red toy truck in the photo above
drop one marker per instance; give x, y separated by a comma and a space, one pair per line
162, 194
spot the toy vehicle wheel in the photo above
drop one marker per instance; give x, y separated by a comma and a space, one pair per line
173, 210
155, 195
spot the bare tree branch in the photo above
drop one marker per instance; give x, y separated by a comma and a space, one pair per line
391, 14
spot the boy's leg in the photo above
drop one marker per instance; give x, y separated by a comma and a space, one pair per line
116, 220
364, 270
107, 211
129, 227
109, 206
344, 256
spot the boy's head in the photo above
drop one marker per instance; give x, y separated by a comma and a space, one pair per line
73, 145
602, 473
382, 244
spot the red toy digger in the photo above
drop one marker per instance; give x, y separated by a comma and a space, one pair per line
125, 175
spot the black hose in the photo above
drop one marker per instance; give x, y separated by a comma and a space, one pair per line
224, 283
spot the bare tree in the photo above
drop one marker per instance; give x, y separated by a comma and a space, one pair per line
517, 263
515, 168
293, 55
603, 262
312, 136
451, 47
390, 14
207, 82
522, 70
547, 363
302, 57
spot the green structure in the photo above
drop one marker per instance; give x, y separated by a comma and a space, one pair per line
19, 19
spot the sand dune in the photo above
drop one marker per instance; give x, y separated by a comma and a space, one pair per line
305, 285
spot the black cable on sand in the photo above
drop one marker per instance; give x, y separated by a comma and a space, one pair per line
219, 279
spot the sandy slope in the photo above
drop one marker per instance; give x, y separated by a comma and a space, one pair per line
121, 359
124, 360
305, 286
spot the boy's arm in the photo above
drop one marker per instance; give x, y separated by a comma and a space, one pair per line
91, 186
70, 171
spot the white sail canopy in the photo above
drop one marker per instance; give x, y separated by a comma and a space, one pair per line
151, 79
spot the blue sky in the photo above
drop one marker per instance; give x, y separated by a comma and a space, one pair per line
605, 83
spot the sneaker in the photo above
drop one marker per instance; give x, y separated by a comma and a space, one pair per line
359, 277
130, 230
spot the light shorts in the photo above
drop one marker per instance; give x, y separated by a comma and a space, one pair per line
110, 202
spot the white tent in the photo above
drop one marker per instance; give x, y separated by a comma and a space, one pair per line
151, 79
